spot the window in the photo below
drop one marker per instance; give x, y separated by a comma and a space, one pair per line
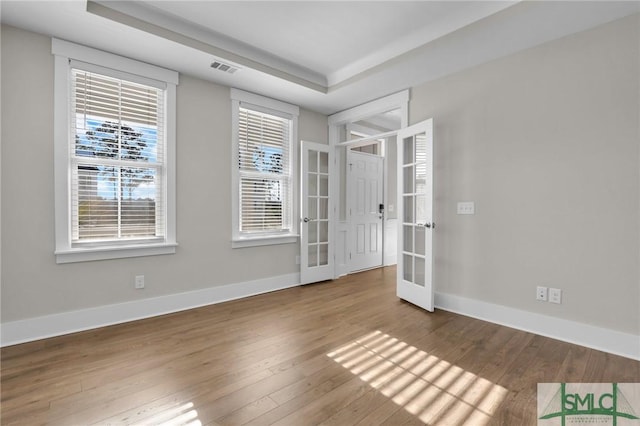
263, 150
115, 144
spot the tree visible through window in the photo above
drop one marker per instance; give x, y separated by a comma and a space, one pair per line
114, 155
263, 155
116, 159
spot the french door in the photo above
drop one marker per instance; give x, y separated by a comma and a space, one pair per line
415, 214
316, 247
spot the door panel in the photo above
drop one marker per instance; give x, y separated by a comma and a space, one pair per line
415, 186
365, 184
316, 250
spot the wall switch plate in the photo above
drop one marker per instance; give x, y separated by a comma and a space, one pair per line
466, 207
139, 282
541, 293
555, 295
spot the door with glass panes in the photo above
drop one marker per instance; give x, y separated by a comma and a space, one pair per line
415, 188
316, 248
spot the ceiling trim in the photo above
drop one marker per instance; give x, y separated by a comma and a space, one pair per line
145, 31
148, 27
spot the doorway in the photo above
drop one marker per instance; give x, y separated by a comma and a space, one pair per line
364, 139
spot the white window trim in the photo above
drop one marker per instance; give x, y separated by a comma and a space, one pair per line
239, 240
64, 251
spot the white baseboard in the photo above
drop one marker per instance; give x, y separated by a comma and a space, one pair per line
615, 342
31, 329
15, 332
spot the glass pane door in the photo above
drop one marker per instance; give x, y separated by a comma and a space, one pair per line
415, 182
317, 218
316, 251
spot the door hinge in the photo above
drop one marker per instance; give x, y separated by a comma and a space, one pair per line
349, 255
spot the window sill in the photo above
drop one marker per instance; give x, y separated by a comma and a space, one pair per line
113, 252
269, 240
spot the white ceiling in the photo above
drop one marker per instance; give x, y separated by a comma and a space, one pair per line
323, 55
336, 40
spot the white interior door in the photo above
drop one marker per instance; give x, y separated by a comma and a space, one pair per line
365, 194
316, 249
415, 214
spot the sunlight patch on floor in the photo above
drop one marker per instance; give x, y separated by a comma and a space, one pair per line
428, 387
182, 415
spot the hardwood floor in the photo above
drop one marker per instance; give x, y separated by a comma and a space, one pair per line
345, 352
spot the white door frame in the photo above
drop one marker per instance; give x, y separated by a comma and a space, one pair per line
339, 232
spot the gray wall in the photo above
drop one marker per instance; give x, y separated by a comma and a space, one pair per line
33, 284
546, 143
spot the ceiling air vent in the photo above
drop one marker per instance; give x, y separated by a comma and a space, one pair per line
221, 66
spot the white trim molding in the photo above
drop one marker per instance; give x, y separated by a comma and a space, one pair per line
390, 253
70, 55
387, 103
117, 62
240, 98
15, 332
340, 230
22, 331
602, 339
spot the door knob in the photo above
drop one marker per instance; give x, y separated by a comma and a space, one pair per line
427, 225
306, 219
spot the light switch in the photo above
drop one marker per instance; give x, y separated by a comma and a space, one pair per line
466, 207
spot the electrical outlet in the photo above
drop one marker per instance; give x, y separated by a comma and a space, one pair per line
541, 293
555, 295
139, 282
466, 207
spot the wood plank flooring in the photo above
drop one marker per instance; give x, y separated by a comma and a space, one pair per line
345, 352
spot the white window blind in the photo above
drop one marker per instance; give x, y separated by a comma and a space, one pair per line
117, 159
264, 146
